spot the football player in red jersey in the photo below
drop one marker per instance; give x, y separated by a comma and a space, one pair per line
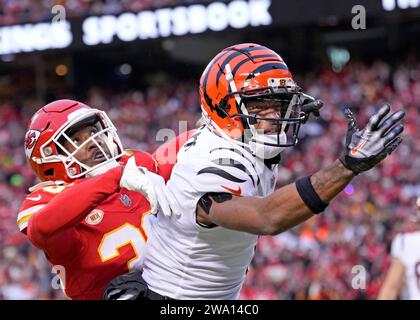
82, 215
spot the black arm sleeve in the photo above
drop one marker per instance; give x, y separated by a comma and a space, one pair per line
206, 201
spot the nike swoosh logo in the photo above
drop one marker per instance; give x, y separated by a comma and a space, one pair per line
37, 198
233, 191
358, 147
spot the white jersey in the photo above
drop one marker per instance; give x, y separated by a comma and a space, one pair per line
185, 260
406, 248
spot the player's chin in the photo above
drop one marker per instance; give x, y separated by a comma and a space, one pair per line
268, 128
270, 131
95, 162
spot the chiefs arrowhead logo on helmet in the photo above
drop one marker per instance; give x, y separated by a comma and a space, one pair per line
30, 140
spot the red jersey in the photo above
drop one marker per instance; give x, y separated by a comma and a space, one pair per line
92, 227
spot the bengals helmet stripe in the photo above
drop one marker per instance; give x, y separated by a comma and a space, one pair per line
236, 53
206, 72
224, 53
240, 64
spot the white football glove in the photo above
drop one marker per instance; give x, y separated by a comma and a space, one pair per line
152, 186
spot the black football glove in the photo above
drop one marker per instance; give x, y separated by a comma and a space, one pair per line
129, 286
311, 105
365, 148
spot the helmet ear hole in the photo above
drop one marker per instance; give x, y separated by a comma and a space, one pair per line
49, 172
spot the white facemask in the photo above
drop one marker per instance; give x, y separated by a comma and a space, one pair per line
262, 149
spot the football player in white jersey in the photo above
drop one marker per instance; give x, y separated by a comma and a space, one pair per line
225, 176
405, 265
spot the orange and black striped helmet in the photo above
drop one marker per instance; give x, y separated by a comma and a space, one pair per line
248, 71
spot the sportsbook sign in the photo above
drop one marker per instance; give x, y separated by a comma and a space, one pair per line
176, 21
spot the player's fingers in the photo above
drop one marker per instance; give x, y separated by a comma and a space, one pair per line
131, 162
393, 145
377, 117
390, 121
154, 209
352, 122
127, 296
176, 208
115, 294
154, 204
313, 107
173, 202
393, 133
163, 202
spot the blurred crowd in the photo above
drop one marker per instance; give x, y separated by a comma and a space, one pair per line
29, 11
316, 260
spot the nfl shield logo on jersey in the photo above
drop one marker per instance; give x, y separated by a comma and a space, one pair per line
125, 199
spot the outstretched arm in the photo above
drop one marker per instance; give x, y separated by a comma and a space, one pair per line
298, 201
280, 211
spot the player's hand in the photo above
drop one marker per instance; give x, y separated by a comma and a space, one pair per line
152, 186
366, 147
311, 106
129, 286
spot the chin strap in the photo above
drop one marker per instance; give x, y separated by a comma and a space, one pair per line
273, 161
46, 184
102, 168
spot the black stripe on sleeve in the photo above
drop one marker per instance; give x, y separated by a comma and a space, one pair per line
220, 172
238, 152
229, 162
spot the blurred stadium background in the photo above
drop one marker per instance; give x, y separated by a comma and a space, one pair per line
141, 60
